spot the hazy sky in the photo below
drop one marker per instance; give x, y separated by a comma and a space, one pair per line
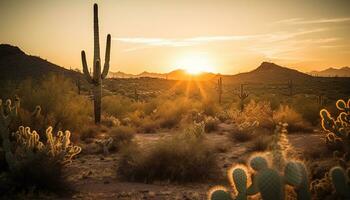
226, 36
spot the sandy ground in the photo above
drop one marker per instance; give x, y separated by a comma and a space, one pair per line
94, 176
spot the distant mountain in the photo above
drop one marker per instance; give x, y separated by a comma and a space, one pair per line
16, 65
269, 73
178, 74
332, 72
120, 74
151, 75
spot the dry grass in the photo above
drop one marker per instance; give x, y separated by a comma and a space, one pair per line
241, 135
181, 158
295, 121
211, 124
254, 112
89, 132
260, 143
122, 135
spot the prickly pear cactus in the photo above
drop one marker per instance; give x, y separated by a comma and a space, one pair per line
338, 130
219, 193
268, 181
340, 181
97, 76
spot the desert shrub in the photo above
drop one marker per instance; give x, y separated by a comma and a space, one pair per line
89, 132
308, 108
196, 130
223, 116
211, 124
260, 112
41, 172
170, 113
241, 135
110, 121
148, 125
122, 135
134, 118
180, 158
210, 108
294, 120
260, 143
118, 106
244, 132
60, 105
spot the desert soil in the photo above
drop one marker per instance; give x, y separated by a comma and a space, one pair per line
94, 175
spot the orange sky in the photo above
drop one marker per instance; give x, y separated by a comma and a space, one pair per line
226, 36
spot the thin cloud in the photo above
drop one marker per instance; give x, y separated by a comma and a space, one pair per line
300, 21
186, 42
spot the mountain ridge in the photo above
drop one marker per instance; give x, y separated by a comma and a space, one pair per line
332, 72
15, 64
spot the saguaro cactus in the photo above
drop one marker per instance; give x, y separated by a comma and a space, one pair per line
219, 89
97, 76
242, 96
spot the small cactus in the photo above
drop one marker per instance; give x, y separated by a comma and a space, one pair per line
242, 96
219, 89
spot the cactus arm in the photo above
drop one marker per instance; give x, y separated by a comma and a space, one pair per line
107, 57
85, 67
96, 35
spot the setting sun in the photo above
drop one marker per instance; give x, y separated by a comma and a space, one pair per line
195, 63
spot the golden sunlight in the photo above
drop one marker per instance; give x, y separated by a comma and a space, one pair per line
195, 63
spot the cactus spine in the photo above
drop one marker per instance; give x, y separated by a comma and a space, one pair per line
97, 76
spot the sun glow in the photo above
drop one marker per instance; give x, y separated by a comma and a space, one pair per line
195, 63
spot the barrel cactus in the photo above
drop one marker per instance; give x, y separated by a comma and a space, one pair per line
96, 78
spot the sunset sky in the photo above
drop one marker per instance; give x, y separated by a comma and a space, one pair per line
226, 36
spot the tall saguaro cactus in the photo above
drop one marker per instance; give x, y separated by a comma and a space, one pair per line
97, 76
